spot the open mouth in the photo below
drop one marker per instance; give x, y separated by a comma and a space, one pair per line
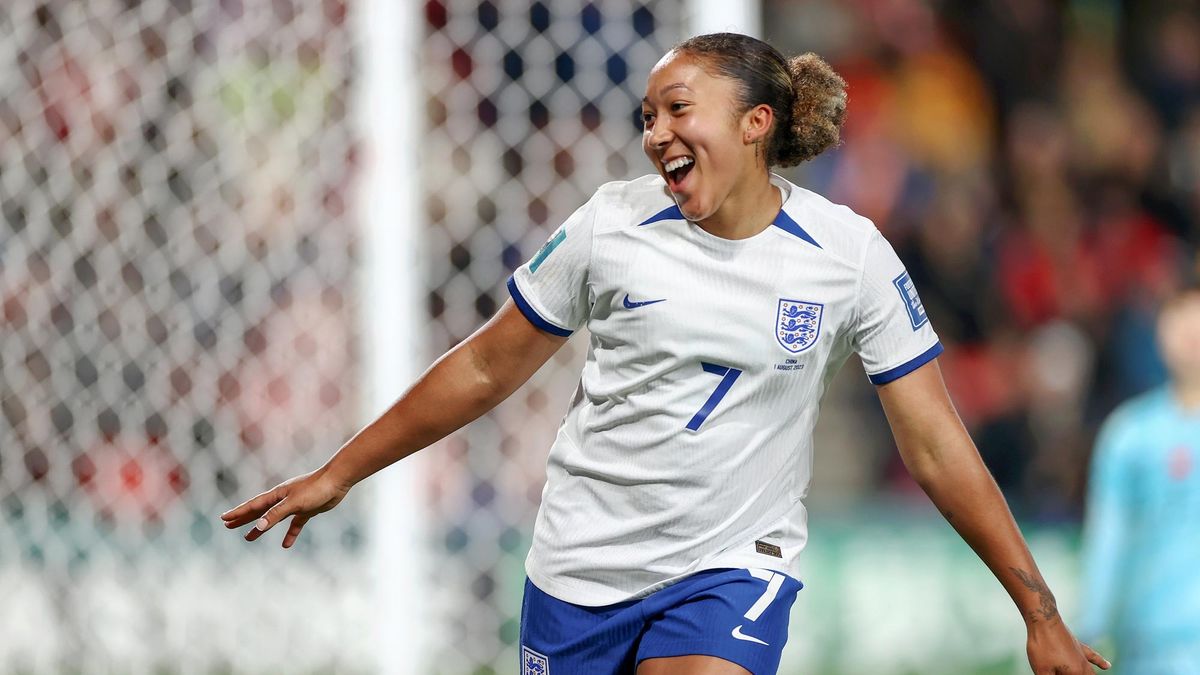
677, 171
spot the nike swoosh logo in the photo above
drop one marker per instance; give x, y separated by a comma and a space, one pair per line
737, 633
635, 305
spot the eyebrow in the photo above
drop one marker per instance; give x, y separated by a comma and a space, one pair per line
669, 87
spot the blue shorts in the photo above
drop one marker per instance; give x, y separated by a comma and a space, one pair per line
738, 615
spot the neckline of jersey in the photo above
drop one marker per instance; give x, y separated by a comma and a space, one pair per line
784, 194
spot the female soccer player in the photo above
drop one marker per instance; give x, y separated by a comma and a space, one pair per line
720, 300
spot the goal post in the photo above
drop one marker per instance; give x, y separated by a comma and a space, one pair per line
392, 337
724, 16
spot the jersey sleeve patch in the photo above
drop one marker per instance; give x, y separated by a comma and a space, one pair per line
547, 249
912, 301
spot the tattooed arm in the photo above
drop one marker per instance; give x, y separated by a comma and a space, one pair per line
943, 460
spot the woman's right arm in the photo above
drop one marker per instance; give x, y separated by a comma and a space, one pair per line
467, 381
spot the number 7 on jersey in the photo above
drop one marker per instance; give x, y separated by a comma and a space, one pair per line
728, 375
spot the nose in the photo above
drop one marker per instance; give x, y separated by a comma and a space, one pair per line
660, 135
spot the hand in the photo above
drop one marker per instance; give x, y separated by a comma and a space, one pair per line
1053, 650
301, 497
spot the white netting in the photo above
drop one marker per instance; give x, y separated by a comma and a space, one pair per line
176, 273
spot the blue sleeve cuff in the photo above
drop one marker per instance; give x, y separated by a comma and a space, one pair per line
531, 313
908, 366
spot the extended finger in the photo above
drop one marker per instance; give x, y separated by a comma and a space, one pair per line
1094, 657
294, 530
250, 509
269, 519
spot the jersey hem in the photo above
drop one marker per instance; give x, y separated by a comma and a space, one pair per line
567, 592
908, 366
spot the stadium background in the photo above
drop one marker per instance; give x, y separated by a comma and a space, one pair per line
183, 313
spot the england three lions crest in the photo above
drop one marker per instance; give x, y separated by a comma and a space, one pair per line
533, 663
797, 324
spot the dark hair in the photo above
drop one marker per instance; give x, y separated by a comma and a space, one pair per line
1187, 283
807, 96
1188, 290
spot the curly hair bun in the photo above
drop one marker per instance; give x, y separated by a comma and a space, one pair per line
818, 111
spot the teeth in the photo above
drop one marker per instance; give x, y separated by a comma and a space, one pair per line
678, 163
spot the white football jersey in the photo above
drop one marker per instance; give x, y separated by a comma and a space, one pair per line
688, 445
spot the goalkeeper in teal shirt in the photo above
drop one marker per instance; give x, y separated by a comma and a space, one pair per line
1141, 552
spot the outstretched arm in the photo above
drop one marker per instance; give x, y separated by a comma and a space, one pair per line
469, 380
943, 460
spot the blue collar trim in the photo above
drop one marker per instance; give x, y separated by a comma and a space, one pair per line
783, 221
672, 212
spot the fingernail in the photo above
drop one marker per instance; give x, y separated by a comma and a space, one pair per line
261, 524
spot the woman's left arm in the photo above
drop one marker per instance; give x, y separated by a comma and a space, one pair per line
943, 460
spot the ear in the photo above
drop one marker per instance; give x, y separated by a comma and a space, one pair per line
756, 123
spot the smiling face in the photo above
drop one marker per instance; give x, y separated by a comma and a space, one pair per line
694, 129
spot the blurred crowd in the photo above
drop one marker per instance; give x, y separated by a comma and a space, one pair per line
1037, 167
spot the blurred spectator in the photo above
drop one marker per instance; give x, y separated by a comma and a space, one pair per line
1142, 585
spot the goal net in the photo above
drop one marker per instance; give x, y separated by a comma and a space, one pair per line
177, 278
